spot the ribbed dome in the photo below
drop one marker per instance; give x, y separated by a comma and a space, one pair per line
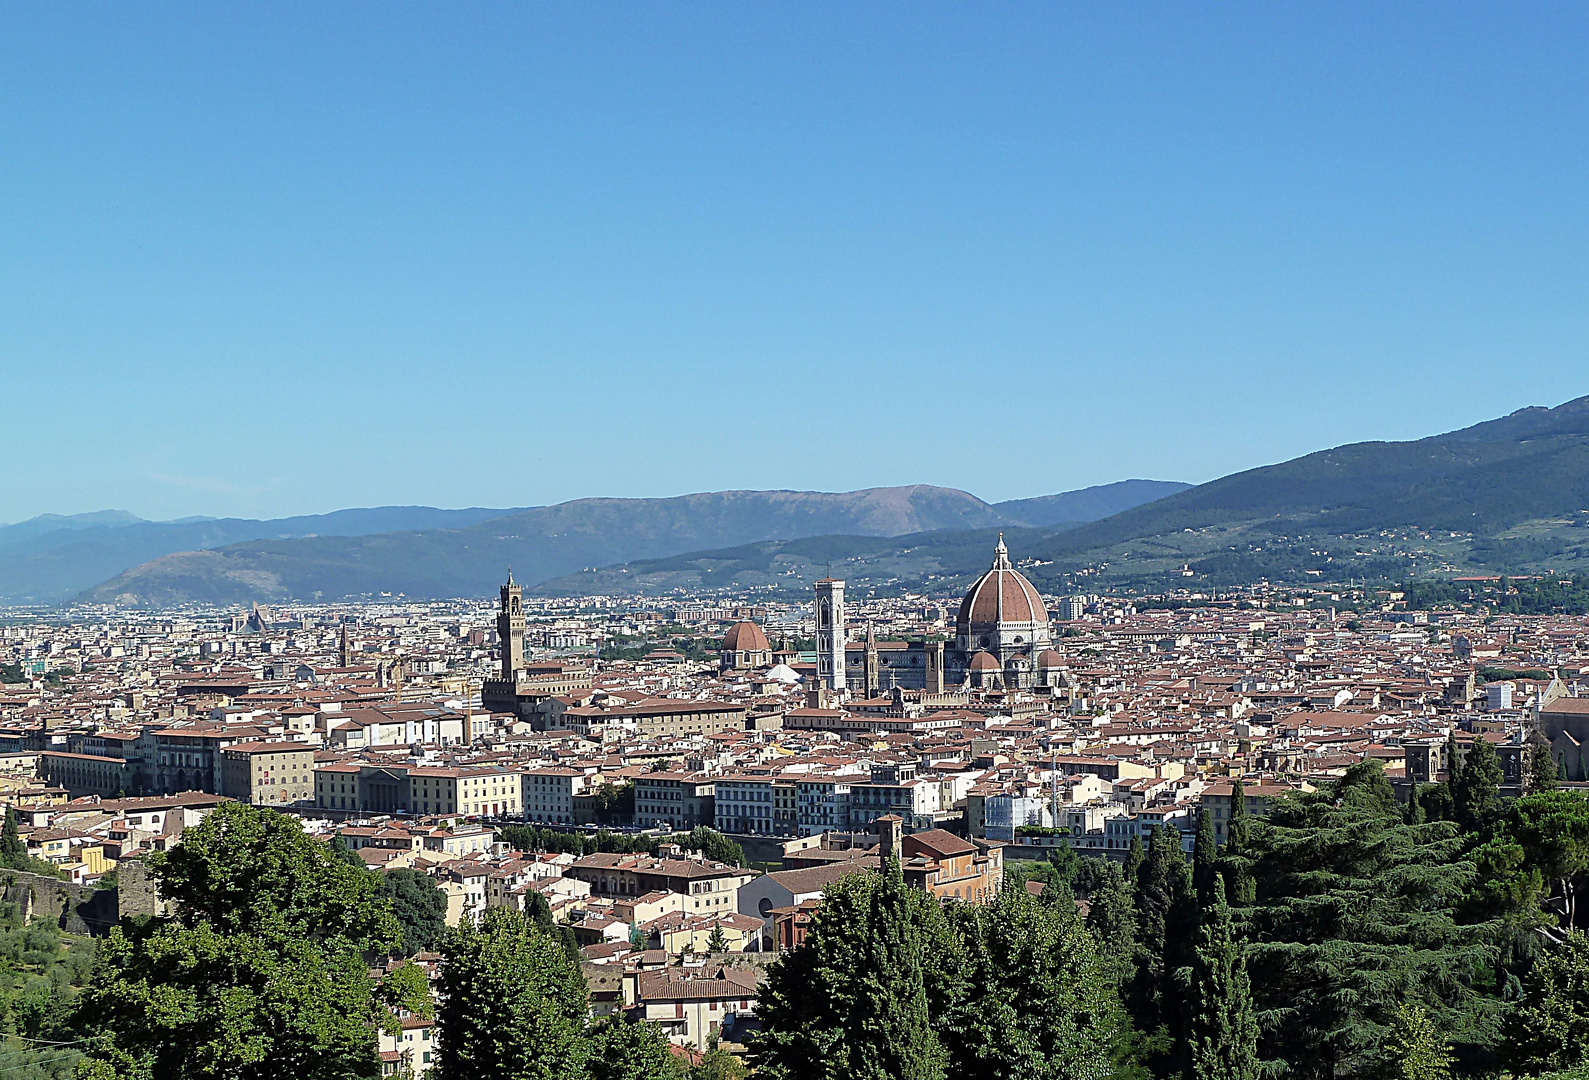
1002, 595
745, 637
1048, 658
985, 661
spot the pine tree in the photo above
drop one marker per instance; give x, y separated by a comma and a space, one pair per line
513, 1005
1414, 1048
1356, 914
1223, 1035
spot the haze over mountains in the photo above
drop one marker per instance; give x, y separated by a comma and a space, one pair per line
422, 551
1506, 495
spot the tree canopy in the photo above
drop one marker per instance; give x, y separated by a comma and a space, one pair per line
259, 972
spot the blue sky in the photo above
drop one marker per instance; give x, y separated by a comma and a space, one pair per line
263, 259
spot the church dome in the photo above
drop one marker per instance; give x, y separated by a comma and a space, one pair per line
745, 637
1048, 658
1002, 595
985, 661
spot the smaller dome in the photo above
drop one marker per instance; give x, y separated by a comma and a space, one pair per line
745, 637
783, 673
984, 661
1048, 658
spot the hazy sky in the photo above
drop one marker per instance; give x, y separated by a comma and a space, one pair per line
262, 259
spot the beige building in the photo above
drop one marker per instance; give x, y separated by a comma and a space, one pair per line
478, 792
268, 773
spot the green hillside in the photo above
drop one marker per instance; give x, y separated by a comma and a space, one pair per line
1507, 495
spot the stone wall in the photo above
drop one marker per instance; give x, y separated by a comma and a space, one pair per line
77, 909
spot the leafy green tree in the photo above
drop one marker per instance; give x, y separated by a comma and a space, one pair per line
1476, 790
852, 1003
1035, 1000
713, 845
1414, 1047
513, 1004
420, 907
625, 1050
260, 971
1057, 873
1222, 1035
1550, 1029
718, 1064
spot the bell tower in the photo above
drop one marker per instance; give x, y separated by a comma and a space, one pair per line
510, 630
830, 633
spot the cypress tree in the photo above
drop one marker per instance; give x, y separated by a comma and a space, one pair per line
1476, 792
853, 1001
1166, 929
1035, 1000
1204, 855
1112, 921
1542, 767
13, 852
1134, 857
1235, 863
1223, 1035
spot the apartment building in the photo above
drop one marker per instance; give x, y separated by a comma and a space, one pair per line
268, 773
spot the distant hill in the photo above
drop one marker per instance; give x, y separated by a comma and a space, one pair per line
549, 541
1508, 495
1087, 504
64, 523
51, 558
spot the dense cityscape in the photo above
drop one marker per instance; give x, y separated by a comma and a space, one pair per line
818, 541
675, 794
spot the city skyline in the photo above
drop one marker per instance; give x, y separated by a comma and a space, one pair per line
269, 264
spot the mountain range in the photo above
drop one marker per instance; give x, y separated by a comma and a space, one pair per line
1504, 496
1508, 495
425, 552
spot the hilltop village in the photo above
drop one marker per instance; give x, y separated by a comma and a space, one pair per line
677, 785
